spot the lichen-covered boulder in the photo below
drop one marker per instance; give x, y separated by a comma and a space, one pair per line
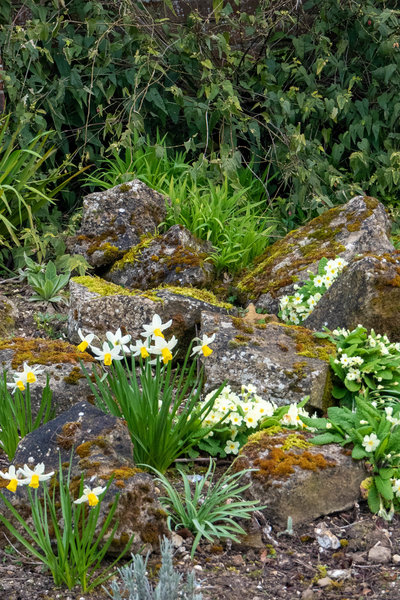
101, 449
175, 258
285, 363
98, 306
114, 221
361, 225
293, 478
367, 293
58, 360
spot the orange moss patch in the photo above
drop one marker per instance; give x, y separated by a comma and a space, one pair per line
40, 351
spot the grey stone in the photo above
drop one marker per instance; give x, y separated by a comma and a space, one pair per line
379, 555
297, 480
175, 258
114, 221
367, 292
268, 356
361, 225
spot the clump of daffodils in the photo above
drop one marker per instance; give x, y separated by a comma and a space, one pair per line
294, 309
241, 414
25, 476
153, 345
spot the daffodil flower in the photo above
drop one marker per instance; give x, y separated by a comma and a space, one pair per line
13, 478
203, 346
107, 354
117, 339
90, 495
156, 328
86, 340
31, 477
28, 375
142, 348
163, 348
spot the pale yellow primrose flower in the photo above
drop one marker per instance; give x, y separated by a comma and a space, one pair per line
371, 442
162, 347
156, 327
13, 478
117, 339
31, 477
107, 354
203, 345
90, 495
86, 340
231, 447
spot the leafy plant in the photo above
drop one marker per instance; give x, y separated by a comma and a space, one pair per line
374, 432
365, 361
16, 419
210, 509
76, 555
47, 284
170, 585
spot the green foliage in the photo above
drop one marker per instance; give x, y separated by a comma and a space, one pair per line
210, 509
160, 407
16, 419
365, 361
75, 556
311, 97
47, 284
170, 585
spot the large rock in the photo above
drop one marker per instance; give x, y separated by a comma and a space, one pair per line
114, 221
102, 449
98, 306
361, 225
296, 479
8, 316
368, 292
285, 363
175, 258
59, 361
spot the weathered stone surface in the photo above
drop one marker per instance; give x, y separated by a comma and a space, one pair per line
112, 306
284, 363
361, 225
102, 449
368, 292
295, 479
58, 359
8, 316
115, 219
175, 258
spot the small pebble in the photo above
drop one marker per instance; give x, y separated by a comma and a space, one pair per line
379, 555
198, 568
307, 595
324, 581
339, 574
396, 559
325, 538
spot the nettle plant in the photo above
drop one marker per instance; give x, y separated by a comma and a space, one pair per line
294, 309
365, 361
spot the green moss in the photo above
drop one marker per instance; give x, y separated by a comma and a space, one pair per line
6, 319
124, 187
74, 376
242, 325
307, 344
105, 288
40, 351
133, 254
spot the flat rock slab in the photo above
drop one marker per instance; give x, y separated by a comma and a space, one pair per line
284, 363
361, 225
59, 361
368, 292
295, 479
114, 221
102, 448
175, 258
113, 306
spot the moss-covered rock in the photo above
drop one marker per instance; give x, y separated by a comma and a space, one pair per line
361, 225
176, 258
284, 363
8, 315
114, 221
297, 479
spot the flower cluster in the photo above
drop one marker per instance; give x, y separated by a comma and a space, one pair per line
294, 309
28, 375
32, 478
292, 418
153, 343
